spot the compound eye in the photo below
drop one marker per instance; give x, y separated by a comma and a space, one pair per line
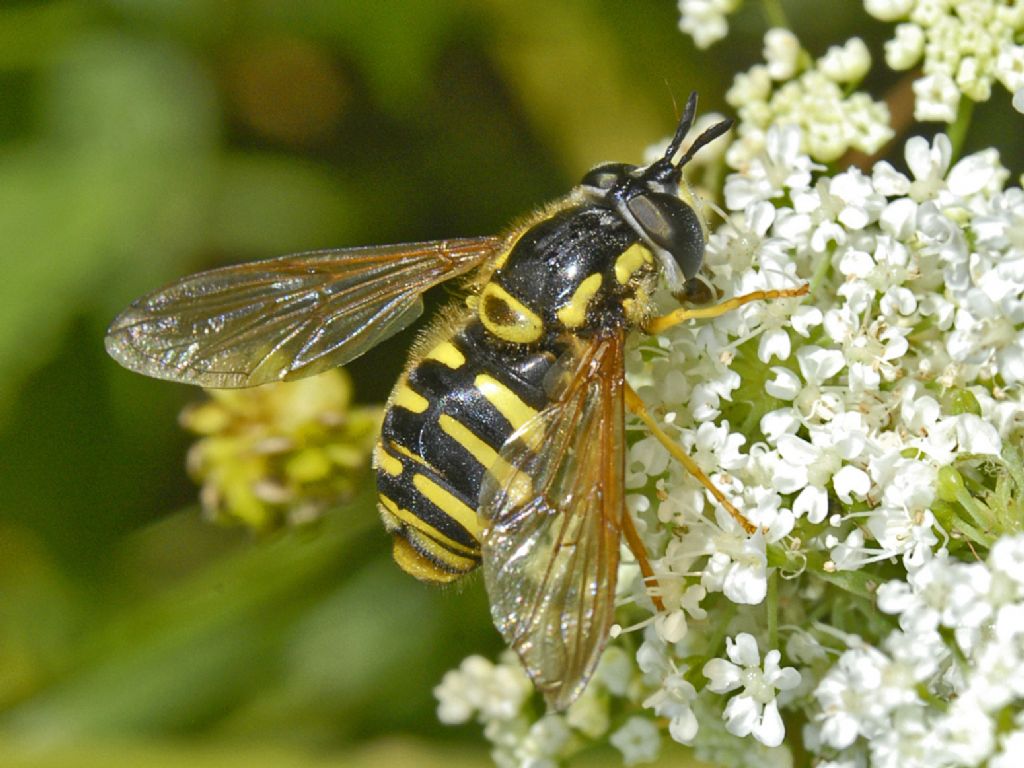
673, 226
607, 175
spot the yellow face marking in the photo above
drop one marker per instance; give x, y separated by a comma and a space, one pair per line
448, 503
520, 484
574, 313
507, 317
447, 354
424, 528
385, 461
406, 397
630, 261
509, 405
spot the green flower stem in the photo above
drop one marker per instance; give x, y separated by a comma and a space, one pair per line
774, 13
947, 514
958, 130
961, 510
930, 698
772, 608
949, 638
820, 273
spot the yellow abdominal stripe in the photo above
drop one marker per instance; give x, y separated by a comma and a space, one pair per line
387, 462
448, 503
508, 404
423, 528
401, 449
517, 485
574, 313
411, 560
408, 398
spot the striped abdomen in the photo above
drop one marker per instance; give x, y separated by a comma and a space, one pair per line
443, 428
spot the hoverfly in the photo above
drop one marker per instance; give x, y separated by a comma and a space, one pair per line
502, 443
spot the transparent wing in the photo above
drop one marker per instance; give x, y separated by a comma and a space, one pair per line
553, 523
284, 318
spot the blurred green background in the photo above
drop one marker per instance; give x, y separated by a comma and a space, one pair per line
140, 141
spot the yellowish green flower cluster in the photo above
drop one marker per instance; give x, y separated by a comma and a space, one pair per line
280, 454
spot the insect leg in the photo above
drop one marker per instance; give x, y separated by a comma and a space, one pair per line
636, 546
681, 315
636, 405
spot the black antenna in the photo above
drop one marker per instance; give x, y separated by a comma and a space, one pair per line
684, 126
705, 138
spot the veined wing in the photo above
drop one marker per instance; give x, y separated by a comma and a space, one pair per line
550, 555
284, 318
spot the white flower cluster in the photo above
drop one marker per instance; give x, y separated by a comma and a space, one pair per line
704, 20
854, 408
790, 89
497, 695
921, 701
841, 427
870, 431
478, 687
754, 711
965, 47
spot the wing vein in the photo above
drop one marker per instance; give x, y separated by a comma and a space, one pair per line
286, 317
550, 563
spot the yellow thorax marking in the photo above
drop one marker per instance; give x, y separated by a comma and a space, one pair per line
574, 313
630, 261
499, 261
507, 317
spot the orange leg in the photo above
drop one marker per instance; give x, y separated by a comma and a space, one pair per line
636, 546
681, 315
636, 405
